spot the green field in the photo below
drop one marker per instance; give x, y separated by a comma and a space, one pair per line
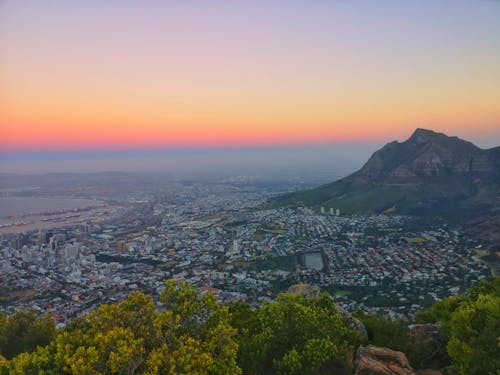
342, 293
414, 240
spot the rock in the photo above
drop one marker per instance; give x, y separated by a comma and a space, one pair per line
357, 326
428, 345
429, 173
353, 323
305, 290
425, 333
373, 360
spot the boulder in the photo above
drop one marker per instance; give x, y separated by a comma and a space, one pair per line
353, 323
425, 333
428, 346
305, 290
374, 360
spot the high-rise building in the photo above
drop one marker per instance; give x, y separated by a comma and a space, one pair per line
42, 236
236, 248
19, 241
71, 252
86, 228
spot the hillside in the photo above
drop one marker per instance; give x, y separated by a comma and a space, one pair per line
430, 173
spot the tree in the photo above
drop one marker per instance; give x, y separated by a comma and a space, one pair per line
293, 335
474, 333
472, 327
384, 331
192, 336
24, 331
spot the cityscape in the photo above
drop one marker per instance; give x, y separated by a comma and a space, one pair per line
249, 187
225, 238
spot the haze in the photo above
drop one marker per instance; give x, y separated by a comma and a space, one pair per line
126, 85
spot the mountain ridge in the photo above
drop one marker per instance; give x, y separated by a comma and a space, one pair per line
429, 173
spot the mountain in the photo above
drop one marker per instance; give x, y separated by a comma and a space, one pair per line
429, 173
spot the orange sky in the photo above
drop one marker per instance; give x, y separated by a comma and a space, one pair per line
82, 75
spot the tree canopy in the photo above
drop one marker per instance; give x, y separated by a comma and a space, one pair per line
191, 336
293, 335
24, 331
472, 325
191, 333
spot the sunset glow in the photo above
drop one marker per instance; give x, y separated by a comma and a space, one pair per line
188, 74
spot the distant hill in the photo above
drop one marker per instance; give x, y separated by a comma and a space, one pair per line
429, 173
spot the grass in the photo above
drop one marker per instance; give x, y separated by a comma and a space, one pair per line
257, 237
288, 262
277, 231
481, 253
342, 293
414, 240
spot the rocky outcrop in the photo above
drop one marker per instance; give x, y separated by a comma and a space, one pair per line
373, 360
305, 290
428, 334
428, 154
428, 345
353, 323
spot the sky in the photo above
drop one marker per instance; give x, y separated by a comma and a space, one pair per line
78, 78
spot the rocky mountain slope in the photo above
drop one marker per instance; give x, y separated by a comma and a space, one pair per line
430, 173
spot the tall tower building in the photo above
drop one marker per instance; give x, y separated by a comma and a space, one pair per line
42, 236
19, 241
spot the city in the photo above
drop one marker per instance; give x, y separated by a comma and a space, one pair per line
225, 238
245, 187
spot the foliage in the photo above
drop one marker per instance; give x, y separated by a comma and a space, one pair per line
474, 334
485, 287
384, 331
301, 333
394, 334
472, 326
192, 336
24, 331
294, 335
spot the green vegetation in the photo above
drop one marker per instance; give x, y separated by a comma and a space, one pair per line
414, 240
294, 335
288, 262
192, 336
384, 331
24, 331
482, 253
257, 237
301, 333
394, 334
387, 229
266, 230
472, 328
